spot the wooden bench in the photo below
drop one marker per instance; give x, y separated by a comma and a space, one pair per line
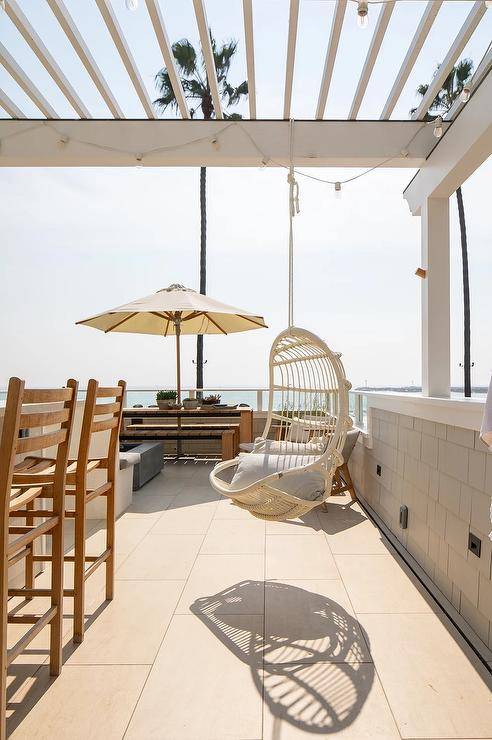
159, 432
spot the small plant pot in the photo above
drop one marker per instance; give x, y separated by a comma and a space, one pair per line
191, 403
166, 404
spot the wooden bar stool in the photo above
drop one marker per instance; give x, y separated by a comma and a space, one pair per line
97, 417
17, 502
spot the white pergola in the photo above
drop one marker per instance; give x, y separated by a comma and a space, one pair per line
444, 163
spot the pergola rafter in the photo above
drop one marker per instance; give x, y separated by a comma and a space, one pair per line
18, 74
73, 34
372, 55
9, 106
203, 30
114, 28
331, 55
30, 35
250, 55
464, 35
425, 25
291, 55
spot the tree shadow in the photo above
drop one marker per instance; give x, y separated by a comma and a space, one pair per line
309, 660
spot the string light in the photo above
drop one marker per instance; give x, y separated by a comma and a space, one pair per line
362, 14
465, 94
139, 160
62, 141
131, 4
338, 190
215, 144
2, 4
488, 3
438, 127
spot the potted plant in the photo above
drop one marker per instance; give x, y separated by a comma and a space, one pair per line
211, 400
190, 403
166, 399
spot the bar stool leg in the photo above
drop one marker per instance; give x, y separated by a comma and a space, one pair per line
79, 566
3, 645
110, 536
56, 626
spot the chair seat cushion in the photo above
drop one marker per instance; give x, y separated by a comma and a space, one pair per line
127, 459
306, 484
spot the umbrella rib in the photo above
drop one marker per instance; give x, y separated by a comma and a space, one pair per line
258, 323
193, 315
214, 322
119, 323
167, 328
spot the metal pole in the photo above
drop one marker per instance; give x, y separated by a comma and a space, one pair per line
177, 325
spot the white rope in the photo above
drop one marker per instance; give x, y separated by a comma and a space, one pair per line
293, 210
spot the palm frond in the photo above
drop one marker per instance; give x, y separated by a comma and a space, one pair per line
185, 55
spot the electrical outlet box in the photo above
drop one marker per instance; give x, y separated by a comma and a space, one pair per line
475, 544
378, 469
403, 517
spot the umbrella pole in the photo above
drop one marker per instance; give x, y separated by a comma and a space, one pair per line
177, 327
178, 360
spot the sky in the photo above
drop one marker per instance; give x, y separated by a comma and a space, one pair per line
74, 242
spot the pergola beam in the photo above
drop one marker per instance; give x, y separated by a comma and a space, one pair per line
186, 143
471, 22
167, 55
9, 106
123, 49
331, 54
41, 51
425, 25
463, 148
15, 71
203, 30
291, 56
250, 55
73, 34
372, 55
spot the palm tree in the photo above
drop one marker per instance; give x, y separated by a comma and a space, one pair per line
193, 74
452, 87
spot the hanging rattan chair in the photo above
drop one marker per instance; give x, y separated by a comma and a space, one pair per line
285, 477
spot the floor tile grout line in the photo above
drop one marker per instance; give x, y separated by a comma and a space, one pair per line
165, 633
363, 637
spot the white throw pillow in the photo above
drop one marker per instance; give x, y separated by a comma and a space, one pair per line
307, 484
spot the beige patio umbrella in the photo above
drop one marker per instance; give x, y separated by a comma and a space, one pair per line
175, 310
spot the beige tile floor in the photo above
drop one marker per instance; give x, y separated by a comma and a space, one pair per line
224, 626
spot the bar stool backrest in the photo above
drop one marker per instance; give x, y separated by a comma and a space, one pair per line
101, 417
15, 420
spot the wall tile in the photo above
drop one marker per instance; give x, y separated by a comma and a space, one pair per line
429, 450
460, 436
456, 597
388, 433
477, 621
449, 493
400, 462
405, 421
453, 460
480, 511
485, 596
488, 474
418, 424
464, 576
429, 427
465, 502
456, 534
443, 583
443, 561
418, 531
476, 469
436, 516
434, 484
441, 430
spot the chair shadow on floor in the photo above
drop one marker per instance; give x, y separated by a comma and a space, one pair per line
309, 659
339, 517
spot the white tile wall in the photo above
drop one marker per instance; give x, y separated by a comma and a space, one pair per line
444, 475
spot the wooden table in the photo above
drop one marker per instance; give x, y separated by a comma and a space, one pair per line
243, 413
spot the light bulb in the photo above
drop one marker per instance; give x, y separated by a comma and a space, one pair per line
2, 4
438, 127
362, 15
338, 190
215, 144
488, 3
131, 4
139, 160
465, 94
62, 141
